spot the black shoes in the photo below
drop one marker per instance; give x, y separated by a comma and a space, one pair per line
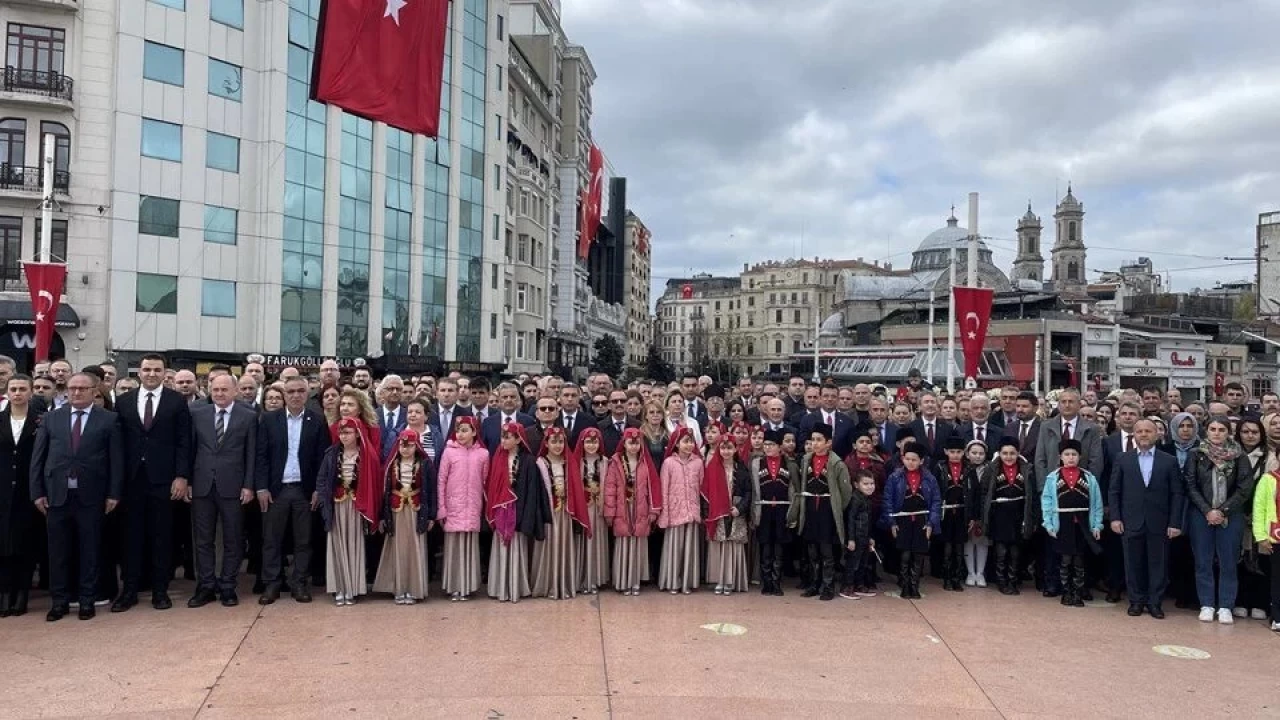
1113, 596
229, 599
86, 611
1156, 611
301, 594
811, 591
1134, 610
203, 597
124, 602
270, 595
57, 612
161, 601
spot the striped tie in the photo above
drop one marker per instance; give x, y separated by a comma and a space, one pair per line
220, 427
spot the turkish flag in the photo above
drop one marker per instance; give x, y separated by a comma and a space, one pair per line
45, 282
591, 202
972, 308
382, 60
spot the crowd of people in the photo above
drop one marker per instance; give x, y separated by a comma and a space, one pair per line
537, 487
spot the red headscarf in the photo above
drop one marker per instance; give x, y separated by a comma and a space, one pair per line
586, 433
368, 496
471, 421
674, 441
497, 487
575, 495
715, 489
646, 461
744, 445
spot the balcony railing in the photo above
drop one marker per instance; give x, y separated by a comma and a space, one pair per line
31, 179
38, 82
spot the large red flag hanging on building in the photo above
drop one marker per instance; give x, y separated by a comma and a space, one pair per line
45, 282
972, 308
382, 60
590, 201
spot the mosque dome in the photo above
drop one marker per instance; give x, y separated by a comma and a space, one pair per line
934, 252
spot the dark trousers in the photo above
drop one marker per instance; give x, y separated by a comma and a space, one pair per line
655, 553
205, 513
15, 573
317, 553
148, 521
1275, 586
291, 506
373, 554
1051, 561
183, 541
1145, 565
72, 527
1109, 565
253, 536
822, 565
857, 565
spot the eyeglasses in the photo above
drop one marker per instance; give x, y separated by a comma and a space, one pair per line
617, 401
546, 408
598, 403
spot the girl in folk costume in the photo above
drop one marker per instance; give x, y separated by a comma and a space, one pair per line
517, 508
464, 465
817, 511
555, 558
682, 473
911, 511
632, 499
1006, 511
595, 548
774, 479
1072, 509
950, 475
711, 434
741, 434
350, 496
975, 548
408, 511
726, 490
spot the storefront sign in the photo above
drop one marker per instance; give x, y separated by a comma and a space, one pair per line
1180, 361
303, 362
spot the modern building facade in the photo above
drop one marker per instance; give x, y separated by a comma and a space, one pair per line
639, 249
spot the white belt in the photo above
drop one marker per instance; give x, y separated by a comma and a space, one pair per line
773, 502
910, 514
1073, 509
1008, 499
816, 494
952, 507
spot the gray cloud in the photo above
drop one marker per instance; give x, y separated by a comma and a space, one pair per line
747, 125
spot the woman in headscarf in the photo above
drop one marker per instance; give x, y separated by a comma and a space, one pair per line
350, 500
409, 511
632, 499
682, 472
1219, 484
593, 464
1184, 438
517, 508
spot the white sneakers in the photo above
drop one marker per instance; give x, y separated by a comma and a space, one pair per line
1240, 612
1275, 626
1224, 617
972, 580
982, 580
1258, 614
1206, 614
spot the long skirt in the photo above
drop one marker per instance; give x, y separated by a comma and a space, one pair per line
555, 559
402, 569
461, 563
509, 568
679, 569
595, 551
630, 562
345, 561
727, 565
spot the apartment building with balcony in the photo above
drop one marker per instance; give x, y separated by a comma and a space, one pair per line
638, 259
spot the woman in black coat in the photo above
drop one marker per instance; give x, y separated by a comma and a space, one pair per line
17, 513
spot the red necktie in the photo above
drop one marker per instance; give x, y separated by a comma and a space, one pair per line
76, 428
149, 414
929, 434
1128, 443
1066, 431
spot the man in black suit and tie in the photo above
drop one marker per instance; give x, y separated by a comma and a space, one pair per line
694, 407
613, 424
930, 429
572, 418
829, 414
508, 411
1026, 426
980, 426
447, 410
1007, 414
391, 413
1113, 446
226, 434
774, 418
155, 425
1146, 499
886, 431
291, 443
77, 476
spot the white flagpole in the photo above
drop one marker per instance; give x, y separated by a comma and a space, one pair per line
43, 244
951, 325
929, 361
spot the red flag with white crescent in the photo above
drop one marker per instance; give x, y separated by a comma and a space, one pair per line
973, 314
591, 197
45, 282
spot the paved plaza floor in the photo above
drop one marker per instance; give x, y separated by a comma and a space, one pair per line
972, 654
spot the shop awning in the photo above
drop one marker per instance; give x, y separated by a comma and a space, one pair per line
18, 312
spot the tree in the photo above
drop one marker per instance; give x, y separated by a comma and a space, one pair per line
656, 368
609, 357
1246, 308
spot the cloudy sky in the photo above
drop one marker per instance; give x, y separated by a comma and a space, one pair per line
758, 129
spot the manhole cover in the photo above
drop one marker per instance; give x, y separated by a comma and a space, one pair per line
1181, 651
725, 629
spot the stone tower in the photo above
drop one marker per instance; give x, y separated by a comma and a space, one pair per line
1068, 247
1029, 265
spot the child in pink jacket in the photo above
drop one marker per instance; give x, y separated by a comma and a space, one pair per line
464, 465
681, 514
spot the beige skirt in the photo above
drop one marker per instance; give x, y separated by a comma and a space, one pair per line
509, 568
680, 554
344, 561
402, 569
630, 562
595, 551
555, 559
727, 565
462, 562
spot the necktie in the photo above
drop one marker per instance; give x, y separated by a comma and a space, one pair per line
220, 427
446, 418
76, 428
148, 414
928, 431
619, 427
692, 408
829, 420
982, 433
1066, 431
1022, 434
568, 422
1128, 443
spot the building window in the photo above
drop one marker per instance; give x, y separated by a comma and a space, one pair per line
1137, 349
777, 316
161, 140
225, 80
227, 12
157, 294
717, 323
508, 246
493, 283
522, 249
37, 53
522, 292
57, 240
175, 4
498, 27
1071, 232
222, 152
1099, 366
797, 320
773, 298
158, 216
497, 77
220, 224
493, 326
795, 346
804, 298
218, 299
751, 301
805, 279
162, 63
777, 347
61, 151
10, 252
13, 150
717, 306
521, 340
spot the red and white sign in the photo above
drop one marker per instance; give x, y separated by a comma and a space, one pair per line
686, 292
45, 282
590, 202
1179, 361
972, 308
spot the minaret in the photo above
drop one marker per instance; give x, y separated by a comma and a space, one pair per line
1068, 248
1029, 265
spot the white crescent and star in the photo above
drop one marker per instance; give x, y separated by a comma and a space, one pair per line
393, 10
977, 324
48, 298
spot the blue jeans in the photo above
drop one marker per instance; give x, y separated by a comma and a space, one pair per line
1210, 541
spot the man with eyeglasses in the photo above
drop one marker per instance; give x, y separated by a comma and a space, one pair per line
546, 414
508, 411
77, 477
599, 406
616, 421
392, 417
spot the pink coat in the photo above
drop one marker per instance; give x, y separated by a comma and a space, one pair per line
616, 512
460, 486
681, 487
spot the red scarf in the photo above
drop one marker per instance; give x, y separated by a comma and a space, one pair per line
498, 493
774, 465
957, 469
820, 463
575, 495
646, 466
715, 490
1010, 472
1071, 476
915, 479
368, 499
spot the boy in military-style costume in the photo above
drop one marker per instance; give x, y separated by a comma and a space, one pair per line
911, 511
773, 477
1072, 509
1006, 511
817, 511
950, 474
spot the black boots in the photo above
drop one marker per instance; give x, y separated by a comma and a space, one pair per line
828, 579
1007, 569
1072, 578
953, 570
909, 576
777, 577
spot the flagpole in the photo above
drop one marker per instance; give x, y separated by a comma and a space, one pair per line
951, 325
43, 245
929, 362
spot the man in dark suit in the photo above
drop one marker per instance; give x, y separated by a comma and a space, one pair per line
572, 418
886, 431
155, 425
1026, 426
546, 413
1007, 413
979, 426
226, 435
391, 414
290, 446
1146, 499
77, 476
445, 411
508, 411
1119, 442
930, 429
829, 414
694, 406
616, 421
